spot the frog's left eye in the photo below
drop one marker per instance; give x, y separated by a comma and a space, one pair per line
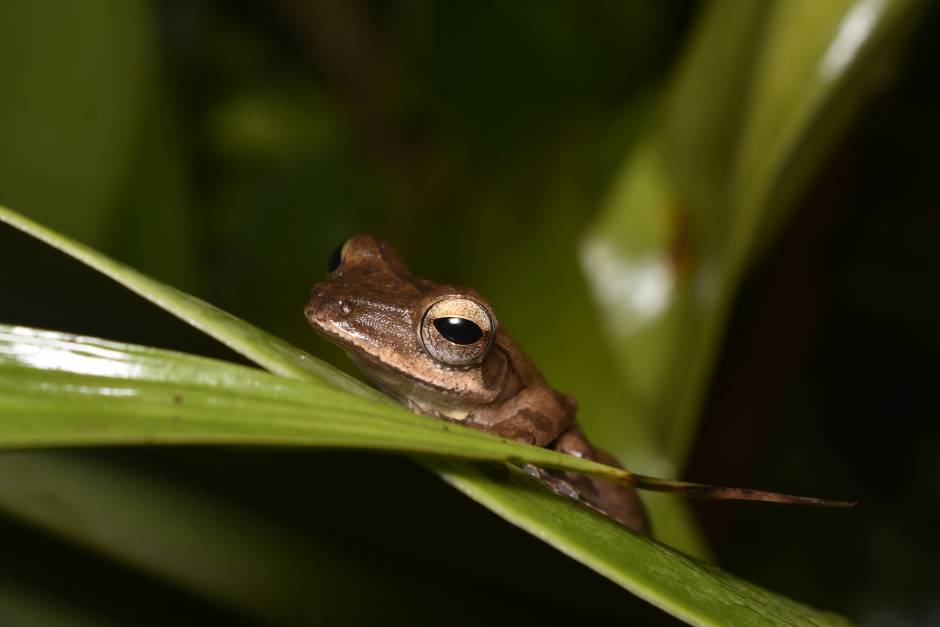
457, 331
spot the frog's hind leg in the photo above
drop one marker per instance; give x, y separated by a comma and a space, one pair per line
618, 502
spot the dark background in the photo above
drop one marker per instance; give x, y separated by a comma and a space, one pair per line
264, 133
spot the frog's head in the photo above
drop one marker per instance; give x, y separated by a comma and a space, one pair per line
425, 343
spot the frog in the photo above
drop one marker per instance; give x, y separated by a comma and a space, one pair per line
440, 350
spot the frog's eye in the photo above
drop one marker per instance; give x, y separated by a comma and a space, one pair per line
457, 331
336, 259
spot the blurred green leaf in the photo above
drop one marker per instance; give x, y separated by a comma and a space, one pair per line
155, 228
238, 557
76, 79
138, 392
764, 93
24, 606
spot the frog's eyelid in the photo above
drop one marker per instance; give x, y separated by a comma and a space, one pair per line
462, 307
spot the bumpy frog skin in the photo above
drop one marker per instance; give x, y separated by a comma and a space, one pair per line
439, 350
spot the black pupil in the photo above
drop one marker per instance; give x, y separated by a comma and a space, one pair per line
458, 330
336, 258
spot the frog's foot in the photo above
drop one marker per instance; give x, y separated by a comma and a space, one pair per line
618, 502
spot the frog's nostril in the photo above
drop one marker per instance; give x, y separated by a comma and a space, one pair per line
345, 307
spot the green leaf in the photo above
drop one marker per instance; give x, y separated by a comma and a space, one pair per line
255, 563
763, 94
97, 391
60, 390
76, 81
693, 591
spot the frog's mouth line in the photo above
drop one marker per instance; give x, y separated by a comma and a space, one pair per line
420, 397
369, 363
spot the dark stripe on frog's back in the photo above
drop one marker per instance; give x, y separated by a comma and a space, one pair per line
512, 381
523, 370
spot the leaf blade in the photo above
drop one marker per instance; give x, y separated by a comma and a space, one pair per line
661, 576
63, 390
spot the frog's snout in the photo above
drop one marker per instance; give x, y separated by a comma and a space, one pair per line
324, 307
316, 305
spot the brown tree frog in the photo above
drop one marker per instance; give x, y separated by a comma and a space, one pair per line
439, 350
